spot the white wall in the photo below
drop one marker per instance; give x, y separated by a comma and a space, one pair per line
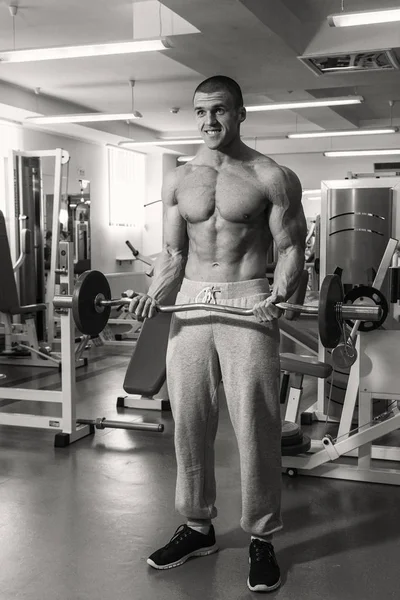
107, 242
158, 167
314, 168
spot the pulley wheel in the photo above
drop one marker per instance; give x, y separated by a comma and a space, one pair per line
344, 356
89, 317
366, 295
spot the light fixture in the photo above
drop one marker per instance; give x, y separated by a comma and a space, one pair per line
344, 132
84, 50
166, 142
345, 153
338, 101
83, 118
365, 17
5, 121
87, 117
184, 159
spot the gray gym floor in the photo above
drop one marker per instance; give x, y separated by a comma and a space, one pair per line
78, 523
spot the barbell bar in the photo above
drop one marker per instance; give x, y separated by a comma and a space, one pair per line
91, 305
363, 313
103, 423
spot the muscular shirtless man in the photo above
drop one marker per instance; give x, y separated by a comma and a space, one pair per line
222, 212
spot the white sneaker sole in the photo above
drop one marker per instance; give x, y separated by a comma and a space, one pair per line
178, 563
263, 588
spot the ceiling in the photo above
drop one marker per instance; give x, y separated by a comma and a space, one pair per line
257, 42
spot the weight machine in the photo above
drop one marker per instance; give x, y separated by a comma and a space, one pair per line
29, 342
69, 429
370, 408
110, 338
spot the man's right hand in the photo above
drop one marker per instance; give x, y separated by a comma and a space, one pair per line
141, 305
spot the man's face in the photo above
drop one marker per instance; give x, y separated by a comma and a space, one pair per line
218, 119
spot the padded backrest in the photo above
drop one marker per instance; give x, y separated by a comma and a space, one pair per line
147, 368
9, 299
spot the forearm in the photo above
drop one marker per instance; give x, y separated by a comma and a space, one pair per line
287, 273
169, 269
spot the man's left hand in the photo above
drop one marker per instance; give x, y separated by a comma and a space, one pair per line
266, 310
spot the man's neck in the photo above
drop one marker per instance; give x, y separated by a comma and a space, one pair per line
235, 151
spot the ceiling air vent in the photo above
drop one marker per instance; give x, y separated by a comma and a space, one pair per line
387, 168
374, 60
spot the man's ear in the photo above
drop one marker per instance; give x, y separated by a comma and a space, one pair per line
242, 114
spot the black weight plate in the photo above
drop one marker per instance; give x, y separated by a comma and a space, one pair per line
355, 296
330, 294
292, 440
87, 319
300, 448
289, 428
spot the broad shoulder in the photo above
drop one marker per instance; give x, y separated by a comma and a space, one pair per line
279, 181
171, 183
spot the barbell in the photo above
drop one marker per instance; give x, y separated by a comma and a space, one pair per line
91, 305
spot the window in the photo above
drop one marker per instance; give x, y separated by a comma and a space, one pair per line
126, 187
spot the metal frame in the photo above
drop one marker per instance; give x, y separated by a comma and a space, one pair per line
159, 401
13, 208
66, 424
369, 379
318, 409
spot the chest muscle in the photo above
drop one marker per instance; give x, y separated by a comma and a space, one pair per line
206, 193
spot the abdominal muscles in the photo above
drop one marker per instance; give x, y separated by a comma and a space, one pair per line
221, 250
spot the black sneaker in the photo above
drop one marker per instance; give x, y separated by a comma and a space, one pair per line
185, 543
264, 575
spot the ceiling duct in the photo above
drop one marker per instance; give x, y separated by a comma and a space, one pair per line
351, 62
387, 168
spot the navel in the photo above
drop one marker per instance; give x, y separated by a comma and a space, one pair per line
215, 264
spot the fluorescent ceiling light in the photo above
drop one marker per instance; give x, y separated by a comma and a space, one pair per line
185, 159
365, 17
339, 101
168, 142
4, 121
345, 132
344, 153
85, 50
83, 118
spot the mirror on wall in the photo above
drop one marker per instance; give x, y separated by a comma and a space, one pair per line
78, 226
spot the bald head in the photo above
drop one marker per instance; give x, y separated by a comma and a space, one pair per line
221, 83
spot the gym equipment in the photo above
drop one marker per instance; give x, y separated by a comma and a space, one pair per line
103, 423
144, 259
344, 355
21, 342
367, 295
90, 304
89, 315
356, 228
69, 428
26, 204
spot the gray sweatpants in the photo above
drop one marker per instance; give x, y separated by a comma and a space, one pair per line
203, 348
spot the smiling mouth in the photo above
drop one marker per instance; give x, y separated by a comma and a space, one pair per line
213, 132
